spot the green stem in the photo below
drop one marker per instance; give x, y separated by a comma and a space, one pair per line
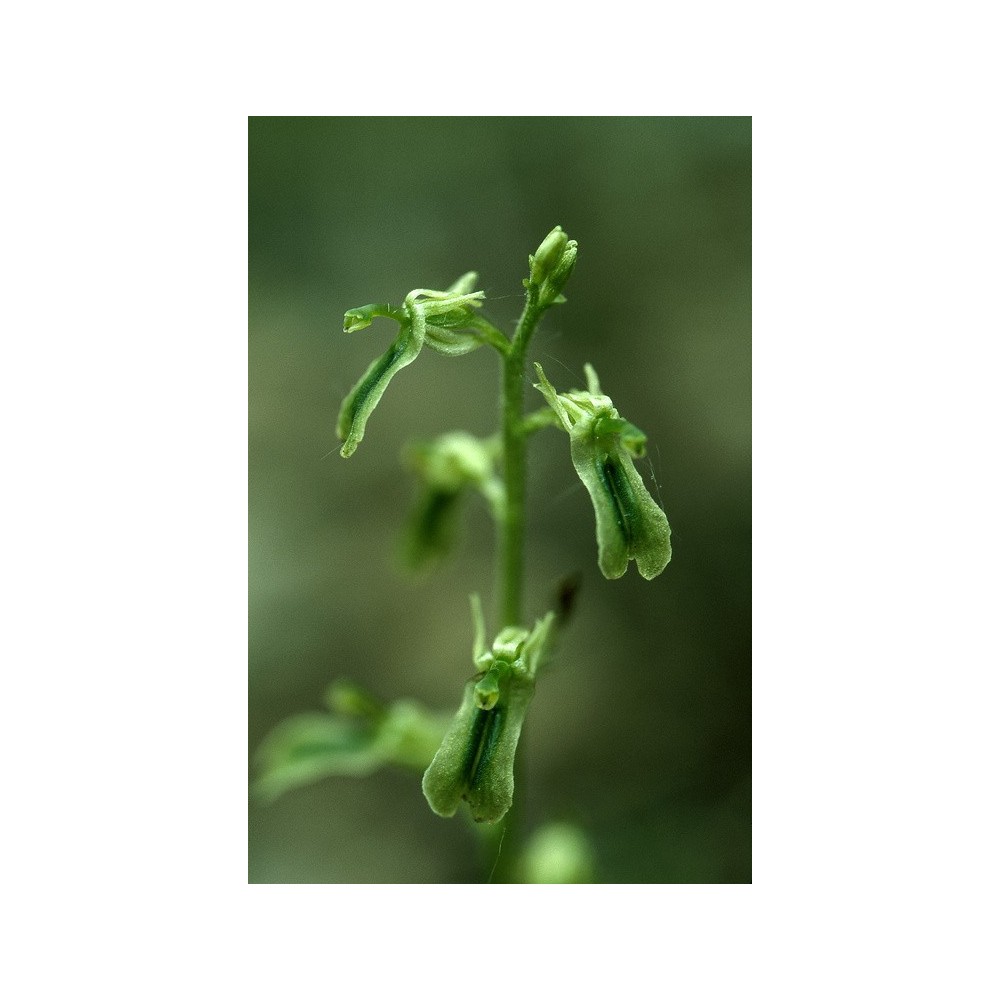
511, 542
491, 335
510, 551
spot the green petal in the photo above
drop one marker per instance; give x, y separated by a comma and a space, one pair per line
445, 316
464, 284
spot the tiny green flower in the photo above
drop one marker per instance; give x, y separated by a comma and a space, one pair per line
437, 318
630, 524
446, 468
475, 761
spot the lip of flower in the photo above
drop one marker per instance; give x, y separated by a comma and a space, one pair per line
364, 397
475, 761
630, 524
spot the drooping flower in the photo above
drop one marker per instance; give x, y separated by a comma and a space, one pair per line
475, 761
447, 468
630, 524
441, 319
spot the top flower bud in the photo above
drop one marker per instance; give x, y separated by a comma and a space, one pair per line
551, 265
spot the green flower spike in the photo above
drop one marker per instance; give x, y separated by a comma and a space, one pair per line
435, 317
475, 761
630, 524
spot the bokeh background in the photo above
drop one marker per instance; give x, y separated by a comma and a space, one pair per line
641, 733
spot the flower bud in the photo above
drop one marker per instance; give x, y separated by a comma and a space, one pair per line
547, 256
562, 270
488, 689
551, 266
557, 853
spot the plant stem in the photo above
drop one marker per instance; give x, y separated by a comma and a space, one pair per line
510, 550
491, 335
511, 541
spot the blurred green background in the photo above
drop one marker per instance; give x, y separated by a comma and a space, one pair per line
641, 733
